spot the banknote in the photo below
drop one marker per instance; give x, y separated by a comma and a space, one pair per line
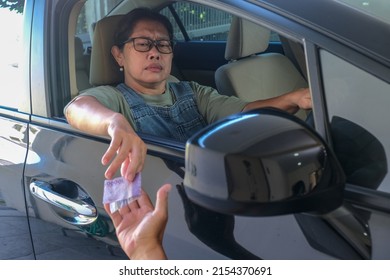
118, 192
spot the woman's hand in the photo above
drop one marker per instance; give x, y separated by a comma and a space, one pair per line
127, 150
140, 227
302, 98
290, 102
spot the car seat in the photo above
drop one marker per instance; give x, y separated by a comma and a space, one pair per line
252, 74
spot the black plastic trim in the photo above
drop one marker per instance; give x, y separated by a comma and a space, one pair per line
367, 198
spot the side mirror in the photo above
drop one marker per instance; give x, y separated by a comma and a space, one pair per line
262, 163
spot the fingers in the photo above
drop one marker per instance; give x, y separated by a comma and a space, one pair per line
144, 200
115, 217
144, 203
303, 98
307, 102
124, 167
131, 207
136, 161
141, 203
115, 164
116, 151
111, 151
128, 154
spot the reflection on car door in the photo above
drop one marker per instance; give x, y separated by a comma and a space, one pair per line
63, 193
64, 185
15, 239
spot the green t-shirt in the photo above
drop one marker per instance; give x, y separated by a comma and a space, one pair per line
212, 105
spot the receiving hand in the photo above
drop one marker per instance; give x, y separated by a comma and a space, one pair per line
140, 227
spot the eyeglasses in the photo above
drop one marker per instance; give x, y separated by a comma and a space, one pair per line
143, 44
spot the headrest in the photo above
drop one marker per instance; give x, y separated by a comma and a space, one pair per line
104, 69
245, 38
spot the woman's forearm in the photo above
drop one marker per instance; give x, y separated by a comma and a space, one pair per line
88, 114
290, 102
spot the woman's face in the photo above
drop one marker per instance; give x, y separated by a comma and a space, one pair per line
148, 69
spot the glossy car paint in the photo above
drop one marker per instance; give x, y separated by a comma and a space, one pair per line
46, 149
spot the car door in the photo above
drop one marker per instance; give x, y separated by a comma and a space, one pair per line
64, 177
63, 180
15, 241
14, 230
350, 86
360, 141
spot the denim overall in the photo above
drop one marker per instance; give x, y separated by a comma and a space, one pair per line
179, 121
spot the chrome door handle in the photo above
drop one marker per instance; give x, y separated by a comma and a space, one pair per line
74, 211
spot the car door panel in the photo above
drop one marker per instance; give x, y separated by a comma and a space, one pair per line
14, 230
57, 233
76, 160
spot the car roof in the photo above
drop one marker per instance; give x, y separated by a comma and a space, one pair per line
363, 25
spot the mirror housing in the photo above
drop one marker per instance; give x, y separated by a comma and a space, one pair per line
263, 162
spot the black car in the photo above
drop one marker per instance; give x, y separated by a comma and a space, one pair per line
260, 185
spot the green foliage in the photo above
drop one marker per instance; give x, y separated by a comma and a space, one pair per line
13, 5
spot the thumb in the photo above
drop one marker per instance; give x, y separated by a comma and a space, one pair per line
162, 198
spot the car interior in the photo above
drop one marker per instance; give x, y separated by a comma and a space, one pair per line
275, 73
250, 70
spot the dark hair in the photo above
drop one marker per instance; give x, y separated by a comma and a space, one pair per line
129, 21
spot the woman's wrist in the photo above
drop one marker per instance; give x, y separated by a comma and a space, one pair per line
117, 120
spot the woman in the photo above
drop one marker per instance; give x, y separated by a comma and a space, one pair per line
146, 102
